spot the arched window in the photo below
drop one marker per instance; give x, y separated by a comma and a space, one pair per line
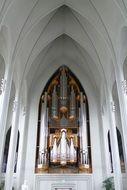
63, 138
120, 147
110, 152
6, 150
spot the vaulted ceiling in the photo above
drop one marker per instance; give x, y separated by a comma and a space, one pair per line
87, 33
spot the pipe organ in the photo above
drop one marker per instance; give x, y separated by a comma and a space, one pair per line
63, 134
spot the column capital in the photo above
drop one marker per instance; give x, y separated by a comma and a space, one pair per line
3, 85
124, 86
113, 107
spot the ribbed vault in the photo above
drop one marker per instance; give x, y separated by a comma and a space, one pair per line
82, 32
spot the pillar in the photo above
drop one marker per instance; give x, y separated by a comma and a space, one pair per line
13, 144
21, 152
122, 95
4, 103
114, 144
106, 154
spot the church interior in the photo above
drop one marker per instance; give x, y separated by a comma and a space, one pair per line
63, 94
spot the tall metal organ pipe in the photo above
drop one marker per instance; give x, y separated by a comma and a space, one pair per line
54, 104
80, 134
54, 150
63, 91
72, 151
63, 153
46, 128
72, 104
83, 125
43, 125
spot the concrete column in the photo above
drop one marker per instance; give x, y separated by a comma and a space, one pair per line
21, 152
106, 156
114, 144
13, 143
4, 103
122, 95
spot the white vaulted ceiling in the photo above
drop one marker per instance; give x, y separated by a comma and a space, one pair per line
87, 33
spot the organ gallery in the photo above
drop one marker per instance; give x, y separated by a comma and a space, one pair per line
63, 139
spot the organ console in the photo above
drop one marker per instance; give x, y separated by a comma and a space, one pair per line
63, 132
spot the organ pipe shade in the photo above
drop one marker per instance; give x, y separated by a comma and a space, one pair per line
63, 152
63, 92
54, 107
72, 104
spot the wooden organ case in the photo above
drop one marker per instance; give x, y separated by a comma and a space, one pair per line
63, 142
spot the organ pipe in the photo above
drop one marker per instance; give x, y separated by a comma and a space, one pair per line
54, 104
54, 150
68, 151
72, 104
63, 152
63, 91
84, 132
46, 129
42, 144
63, 84
80, 130
72, 151
58, 151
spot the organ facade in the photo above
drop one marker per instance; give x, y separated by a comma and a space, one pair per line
63, 140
